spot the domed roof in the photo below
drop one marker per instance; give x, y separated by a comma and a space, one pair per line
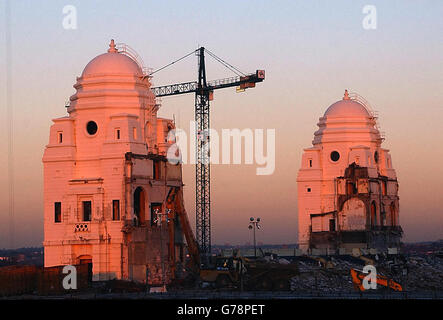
112, 62
346, 108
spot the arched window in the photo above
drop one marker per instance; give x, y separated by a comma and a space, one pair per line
373, 214
139, 206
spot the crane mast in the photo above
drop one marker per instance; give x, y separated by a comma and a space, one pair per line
203, 90
203, 169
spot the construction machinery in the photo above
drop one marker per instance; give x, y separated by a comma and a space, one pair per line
176, 210
322, 262
203, 91
265, 275
249, 274
358, 276
225, 271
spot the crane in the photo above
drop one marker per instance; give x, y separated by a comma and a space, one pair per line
203, 91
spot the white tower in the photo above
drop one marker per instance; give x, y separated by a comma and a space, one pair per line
347, 188
107, 179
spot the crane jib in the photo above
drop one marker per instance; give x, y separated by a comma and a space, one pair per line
190, 87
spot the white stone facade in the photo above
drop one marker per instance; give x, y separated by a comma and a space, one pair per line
330, 201
105, 174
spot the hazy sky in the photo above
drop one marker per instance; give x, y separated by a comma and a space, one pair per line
311, 51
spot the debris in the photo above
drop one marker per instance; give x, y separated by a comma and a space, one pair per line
414, 273
283, 261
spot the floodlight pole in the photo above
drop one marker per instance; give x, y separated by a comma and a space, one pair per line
254, 224
158, 220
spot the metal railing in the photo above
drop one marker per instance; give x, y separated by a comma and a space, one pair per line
374, 113
130, 52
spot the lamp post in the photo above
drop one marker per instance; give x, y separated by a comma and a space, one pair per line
254, 224
158, 220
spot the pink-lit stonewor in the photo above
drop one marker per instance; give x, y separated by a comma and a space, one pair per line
347, 187
106, 177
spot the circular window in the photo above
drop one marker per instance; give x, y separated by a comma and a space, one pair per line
376, 156
335, 156
91, 127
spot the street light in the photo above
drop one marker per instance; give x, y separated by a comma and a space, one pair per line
158, 220
254, 224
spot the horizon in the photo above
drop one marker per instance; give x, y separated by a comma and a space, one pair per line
243, 245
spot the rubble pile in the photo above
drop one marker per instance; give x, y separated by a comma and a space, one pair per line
414, 273
322, 281
424, 274
316, 278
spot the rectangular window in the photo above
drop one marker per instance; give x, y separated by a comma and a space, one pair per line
87, 210
332, 225
155, 208
157, 169
60, 137
57, 212
351, 188
310, 163
117, 134
115, 209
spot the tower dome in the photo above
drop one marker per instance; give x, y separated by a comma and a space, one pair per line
347, 120
112, 63
346, 108
117, 80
